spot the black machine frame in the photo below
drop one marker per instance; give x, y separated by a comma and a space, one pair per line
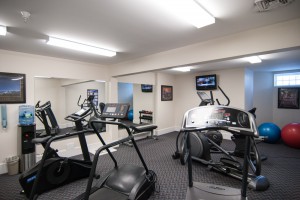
212, 120
144, 179
35, 180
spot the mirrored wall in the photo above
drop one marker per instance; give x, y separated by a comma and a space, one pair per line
64, 96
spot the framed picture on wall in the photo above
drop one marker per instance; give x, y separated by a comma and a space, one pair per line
288, 98
166, 93
12, 88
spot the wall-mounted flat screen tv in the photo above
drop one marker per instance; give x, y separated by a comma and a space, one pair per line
146, 88
206, 82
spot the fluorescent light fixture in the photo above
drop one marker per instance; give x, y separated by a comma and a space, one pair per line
182, 69
253, 59
3, 30
42, 77
100, 81
79, 47
188, 10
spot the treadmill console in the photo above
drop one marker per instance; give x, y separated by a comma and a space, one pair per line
115, 110
220, 116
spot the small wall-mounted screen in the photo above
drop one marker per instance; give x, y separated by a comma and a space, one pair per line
206, 82
146, 88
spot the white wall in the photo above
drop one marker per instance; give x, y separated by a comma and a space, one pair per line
164, 110
266, 39
263, 96
248, 84
283, 116
34, 65
142, 78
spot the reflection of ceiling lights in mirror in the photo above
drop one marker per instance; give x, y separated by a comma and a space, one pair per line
253, 59
182, 69
42, 77
3, 30
79, 47
188, 10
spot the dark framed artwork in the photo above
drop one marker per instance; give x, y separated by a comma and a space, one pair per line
166, 93
288, 98
12, 88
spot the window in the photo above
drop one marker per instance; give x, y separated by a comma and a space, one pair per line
287, 79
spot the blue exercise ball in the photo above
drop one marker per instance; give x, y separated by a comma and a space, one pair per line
130, 115
271, 131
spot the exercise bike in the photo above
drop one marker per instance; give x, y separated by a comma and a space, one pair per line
54, 171
206, 143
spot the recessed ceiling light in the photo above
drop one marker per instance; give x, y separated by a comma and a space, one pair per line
182, 69
80, 47
253, 59
3, 30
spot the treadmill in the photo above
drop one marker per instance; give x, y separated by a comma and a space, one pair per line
125, 181
226, 118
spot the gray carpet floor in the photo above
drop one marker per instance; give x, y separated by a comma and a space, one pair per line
281, 168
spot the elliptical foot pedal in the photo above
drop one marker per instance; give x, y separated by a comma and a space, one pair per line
212, 192
231, 163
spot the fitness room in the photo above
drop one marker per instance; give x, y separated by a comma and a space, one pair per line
109, 100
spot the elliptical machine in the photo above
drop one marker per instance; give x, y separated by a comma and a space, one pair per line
225, 118
54, 171
45, 114
205, 143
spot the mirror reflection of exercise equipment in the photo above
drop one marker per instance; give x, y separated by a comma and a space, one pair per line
140, 115
45, 114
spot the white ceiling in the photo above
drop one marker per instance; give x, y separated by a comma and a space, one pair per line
134, 28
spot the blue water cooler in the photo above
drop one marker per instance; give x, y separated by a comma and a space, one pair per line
27, 134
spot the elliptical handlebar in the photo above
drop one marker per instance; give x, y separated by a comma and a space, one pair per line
44, 106
228, 100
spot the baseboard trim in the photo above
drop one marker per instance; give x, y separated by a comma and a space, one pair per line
165, 131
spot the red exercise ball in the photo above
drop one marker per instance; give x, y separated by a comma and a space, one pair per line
290, 134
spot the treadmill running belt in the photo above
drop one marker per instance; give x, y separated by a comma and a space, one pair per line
107, 194
206, 191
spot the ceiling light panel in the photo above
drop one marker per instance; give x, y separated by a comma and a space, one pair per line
253, 59
182, 69
3, 30
80, 47
189, 11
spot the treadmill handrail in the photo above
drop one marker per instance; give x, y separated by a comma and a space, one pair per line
95, 162
129, 134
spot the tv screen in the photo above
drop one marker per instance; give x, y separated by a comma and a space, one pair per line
206, 82
146, 88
